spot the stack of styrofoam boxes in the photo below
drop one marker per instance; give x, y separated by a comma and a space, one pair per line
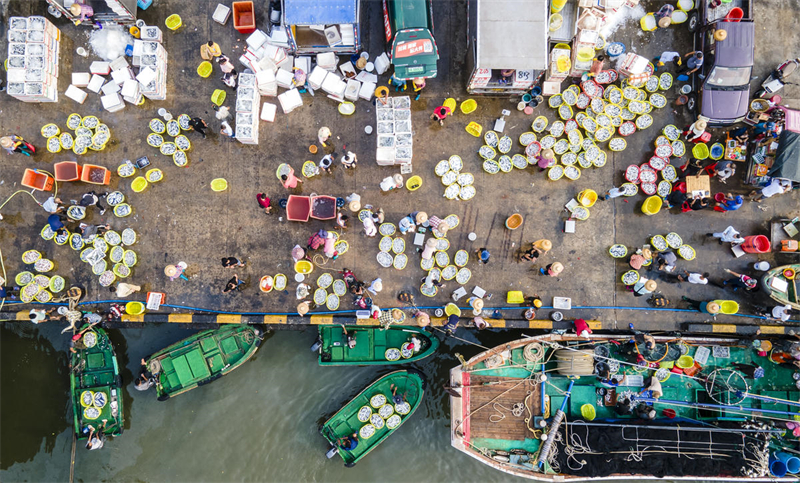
248, 102
152, 66
33, 50
394, 131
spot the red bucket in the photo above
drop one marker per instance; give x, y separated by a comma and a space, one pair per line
735, 14
756, 244
720, 197
670, 413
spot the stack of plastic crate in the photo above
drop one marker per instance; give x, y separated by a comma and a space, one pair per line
248, 102
33, 51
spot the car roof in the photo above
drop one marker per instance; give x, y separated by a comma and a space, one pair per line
737, 50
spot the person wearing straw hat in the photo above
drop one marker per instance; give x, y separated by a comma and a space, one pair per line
552, 270
423, 319
323, 135
480, 323
477, 305
443, 228
15, 144
712, 307
544, 245
696, 130
303, 308
175, 271
644, 287
376, 286
546, 159
418, 83
664, 16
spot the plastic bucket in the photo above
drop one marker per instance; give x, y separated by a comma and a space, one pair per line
727, 306
717, 150
468, 106
475, 129
792, 462
139, 184
685, 362
450, 103
652, 205
557, 5
173, 22
514, 221
134, 308
588, 412
555, 22
563, 63
735, 14
587, 197
219, 184
756, 244
777, 467
700, 151
218, 97
585, 54
204, 69
413, 183
452, 309
648, 22
526, 98
303, 266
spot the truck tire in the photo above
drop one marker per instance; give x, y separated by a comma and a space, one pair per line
694, 20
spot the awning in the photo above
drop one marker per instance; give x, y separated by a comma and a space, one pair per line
512, 34
320, 12
787, 159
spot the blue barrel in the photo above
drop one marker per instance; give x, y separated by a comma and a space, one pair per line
615, 49
777, 467
791, 461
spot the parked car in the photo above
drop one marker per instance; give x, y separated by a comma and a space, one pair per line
722, 84
408, 27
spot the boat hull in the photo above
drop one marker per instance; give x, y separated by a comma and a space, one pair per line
371, 346
202, 358
789, 297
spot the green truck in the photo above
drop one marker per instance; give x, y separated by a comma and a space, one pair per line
408, 26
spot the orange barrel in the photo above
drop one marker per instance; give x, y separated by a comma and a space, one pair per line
756, 244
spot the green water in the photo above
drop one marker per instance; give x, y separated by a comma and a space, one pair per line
260, 423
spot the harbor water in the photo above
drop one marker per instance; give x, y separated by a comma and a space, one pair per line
259, 423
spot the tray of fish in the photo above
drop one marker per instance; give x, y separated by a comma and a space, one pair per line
647, 174
491, 166
155, 175
617, 144
116, 254
678, 148
583, 101
526, 138
452, 191
442, 259
630, 277
671, 132
664, 151
122, 270
555, 101
398, 245
401, 102
487, 152
99, 267
122, 210
556, 172
617, 121
126, 170
461, 258
465, 179
548, 142
669, 173
384, 259
168, 149
603, 77
658, 100
673, 239
539, 124
332, 301
637, 107
53, 144
665, 81
664, 188
627, 128
387, 229
173, 128
648, 188
449, 178
632, 173
73, 121
644, 121
519, 161
651, 85
557, 128
659, 243
600, 160
533, 149
583, 162
155, 140
580, 116
587, 143
598, 105
572, 172
467, 192
385, 127
183, 121
341, 247
686, 252
76, 241
90, 122
182, 142
627, 115
402, 114
180, 159
505, 164
568, 159
385, 115
455, 162
603, 121
157, 126
591, 88
441, 168
449, 272
603, 134
565, 111
400, 261
452, 221
505, 144
592, 152
574, 137
612, 110
66, 141
570, 125
618, 251
402, 126
463, 275
112, 238
442, 244
569, 97
76, 212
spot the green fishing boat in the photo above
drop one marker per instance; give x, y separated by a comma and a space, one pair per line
781, 284
567, 408
95, 384
373, 345
201, 358
373, 415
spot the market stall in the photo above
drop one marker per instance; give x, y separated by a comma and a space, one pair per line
88, 12
507, 44
315, 26
776, 159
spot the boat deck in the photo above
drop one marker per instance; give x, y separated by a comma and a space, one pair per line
492, 407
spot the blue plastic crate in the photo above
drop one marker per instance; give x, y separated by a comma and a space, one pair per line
143, 4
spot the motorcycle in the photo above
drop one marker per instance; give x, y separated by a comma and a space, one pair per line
776, 79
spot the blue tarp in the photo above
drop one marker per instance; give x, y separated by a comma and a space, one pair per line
320, 12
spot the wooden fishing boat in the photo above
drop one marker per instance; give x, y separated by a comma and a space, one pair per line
374, 345
202, 358
95, 384
781, 288
372, 415
535, 408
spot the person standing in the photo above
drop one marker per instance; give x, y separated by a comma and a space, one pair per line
418, 83
232, 262
53, 205
349, 160
712, 308
696, 130
226, 129
264, 202
326, 163
697, 278
741, 281
199, 125
440, 114
693, 62
613, 193
234, 284
483, 255
92, 199
730, 235
210, 50
290, 181
552, 270
14, 143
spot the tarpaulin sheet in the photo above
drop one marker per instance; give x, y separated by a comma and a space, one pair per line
320, 12
792, 119
787, 159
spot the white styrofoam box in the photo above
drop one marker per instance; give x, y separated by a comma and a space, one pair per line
267, 64
382, 63
317, 77
384, 156
334, 86
35, 49
247, 93
279, 37
138, 47
15, 88
35, 36
275, 53
120, 76
290, 100
96, 83
151, 32
244, 105
287, 63
347, 68
18, 23
136, 60
37, 23
245, 119
265, 77
347, 32
100, 68
248, 61
259, 52
365, 76
247, 79
284, 78
81, 79
327, 60
256, 39
15, 75
146, 75
268, 112
303, 63
112, 102
352, 90
130, 88
119, 63
221, 14
75, 94
110, 88
18, 48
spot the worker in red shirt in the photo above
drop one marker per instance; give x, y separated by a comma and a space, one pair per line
582, 328
440, 114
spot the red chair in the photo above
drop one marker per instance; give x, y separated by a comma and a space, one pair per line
686, 207
680, 187
711, 169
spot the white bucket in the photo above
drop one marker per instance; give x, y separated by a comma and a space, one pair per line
679, 16
369, 67
368, 129
761, 266
365, 55
685, 5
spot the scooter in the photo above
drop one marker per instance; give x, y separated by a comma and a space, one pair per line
775, 81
